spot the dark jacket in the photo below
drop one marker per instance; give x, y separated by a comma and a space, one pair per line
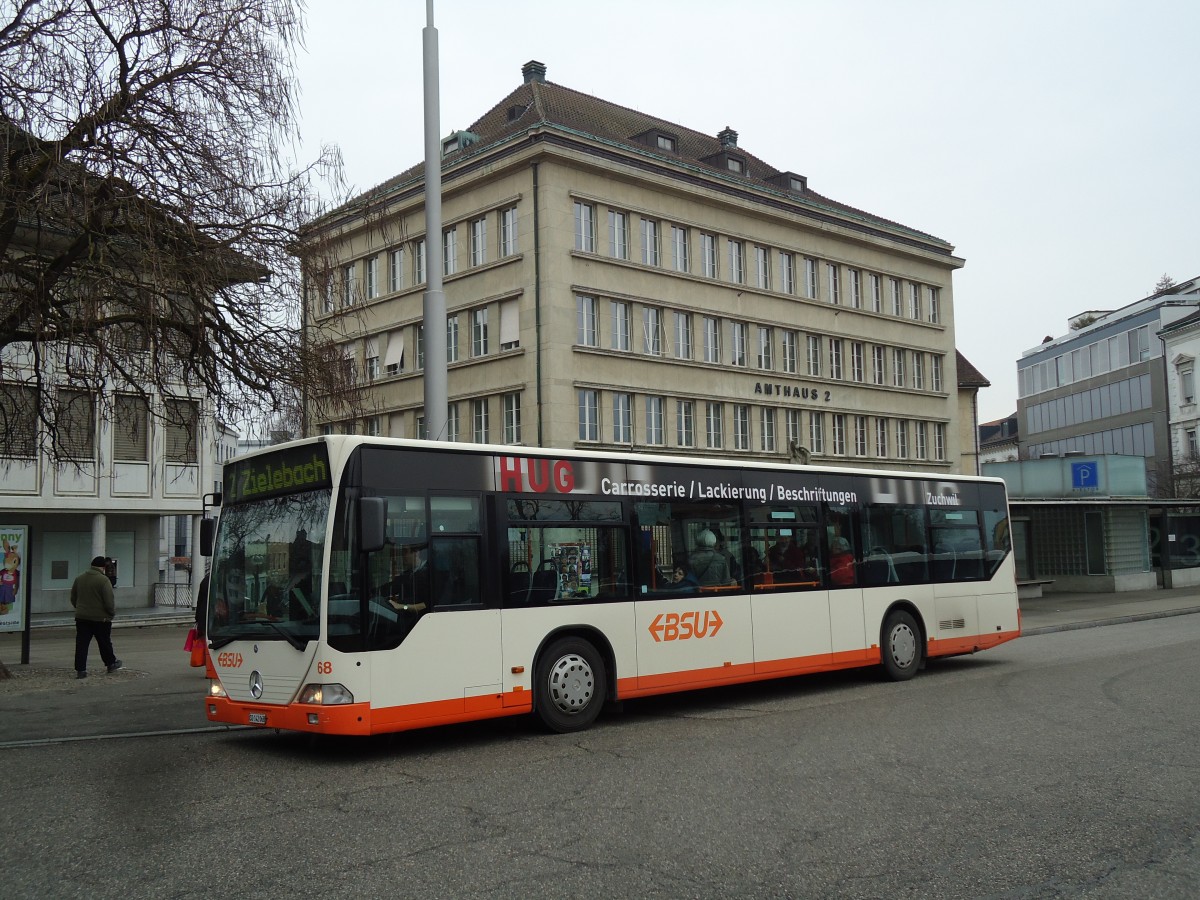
92, 596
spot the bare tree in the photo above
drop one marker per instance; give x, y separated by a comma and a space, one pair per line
1164, 283
148, 213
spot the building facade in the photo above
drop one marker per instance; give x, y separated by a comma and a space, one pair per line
614, 280
1101, 388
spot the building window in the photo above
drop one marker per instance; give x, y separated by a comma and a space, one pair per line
452, 424
738, 339
810, 277
712, 340
766, 429
791, 341
922, 439
585, 227
685, 423
419, 262
816, 432
856, 288
419, 340
371, 426
939, 440
622, 419
897, 367
814, 355
834, 287
618, 235
1187, 384
735, 165
621, 326
765, 360
349, 288
894, 285
794, 430
902, 438
181, 419
787, 273
512, 418
762, 267
371, 367
876, 293
479, 331
510, 325
741, 427
652, 336
839, 434
1193, 448
683, 335
835, 358
935, 375
585, 320
649, 242
589, 416
860, 435
508, 231
737, 262
935, 307
856, 362
679, 248
714, 438
918, 370
708, 255
372, 285
450, 251
479, 242
665, 143
395, 270
881, 437
914, 302
654, 421
479, 420
130, 425
451, 339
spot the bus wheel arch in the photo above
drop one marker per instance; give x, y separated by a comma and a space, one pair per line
902, 642
572, 679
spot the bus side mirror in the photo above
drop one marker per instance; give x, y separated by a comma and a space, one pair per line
208, 530
372, 523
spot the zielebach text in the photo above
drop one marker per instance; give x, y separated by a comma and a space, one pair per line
272, 478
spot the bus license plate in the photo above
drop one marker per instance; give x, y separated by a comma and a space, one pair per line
258, 718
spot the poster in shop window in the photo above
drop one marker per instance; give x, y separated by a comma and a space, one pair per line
14, 541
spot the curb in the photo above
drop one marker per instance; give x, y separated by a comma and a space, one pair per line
1116, 620
187, 618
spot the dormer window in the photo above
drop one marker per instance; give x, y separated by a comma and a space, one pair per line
658, 139
796, 183
666, 143
459, 140
735, 165
449, 145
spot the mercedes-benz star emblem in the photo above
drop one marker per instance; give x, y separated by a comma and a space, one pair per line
256, 684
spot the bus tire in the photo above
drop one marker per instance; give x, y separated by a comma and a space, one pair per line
900, 645
571, 685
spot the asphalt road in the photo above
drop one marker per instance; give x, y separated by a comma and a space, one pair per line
1060, 765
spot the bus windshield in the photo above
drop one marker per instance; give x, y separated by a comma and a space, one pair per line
267, 570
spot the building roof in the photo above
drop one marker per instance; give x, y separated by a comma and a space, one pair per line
542, 104
968, 375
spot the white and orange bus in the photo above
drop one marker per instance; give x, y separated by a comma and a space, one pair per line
364, 585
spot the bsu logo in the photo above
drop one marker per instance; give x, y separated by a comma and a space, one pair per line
683, 626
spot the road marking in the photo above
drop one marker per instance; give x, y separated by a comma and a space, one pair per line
40, 742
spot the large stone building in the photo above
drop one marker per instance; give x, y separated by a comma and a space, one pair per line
615, 280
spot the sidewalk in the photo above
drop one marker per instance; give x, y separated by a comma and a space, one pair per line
159, 692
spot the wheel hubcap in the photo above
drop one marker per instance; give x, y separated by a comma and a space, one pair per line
903, 646
572, 683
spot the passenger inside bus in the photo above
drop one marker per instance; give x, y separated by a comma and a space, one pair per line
841, 562
707, 564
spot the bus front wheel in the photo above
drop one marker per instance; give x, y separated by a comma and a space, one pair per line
900, 646
571, 685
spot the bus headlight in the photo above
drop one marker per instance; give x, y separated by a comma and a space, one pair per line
215, 689
326, 694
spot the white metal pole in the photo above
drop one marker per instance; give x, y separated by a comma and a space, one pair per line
434, 305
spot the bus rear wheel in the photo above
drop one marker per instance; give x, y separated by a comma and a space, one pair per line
900, 646
571, 685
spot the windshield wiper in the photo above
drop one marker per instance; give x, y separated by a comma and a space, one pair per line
288, 636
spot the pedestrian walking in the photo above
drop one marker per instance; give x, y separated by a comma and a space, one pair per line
95, 606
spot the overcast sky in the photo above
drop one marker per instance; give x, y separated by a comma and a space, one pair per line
1055, 144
